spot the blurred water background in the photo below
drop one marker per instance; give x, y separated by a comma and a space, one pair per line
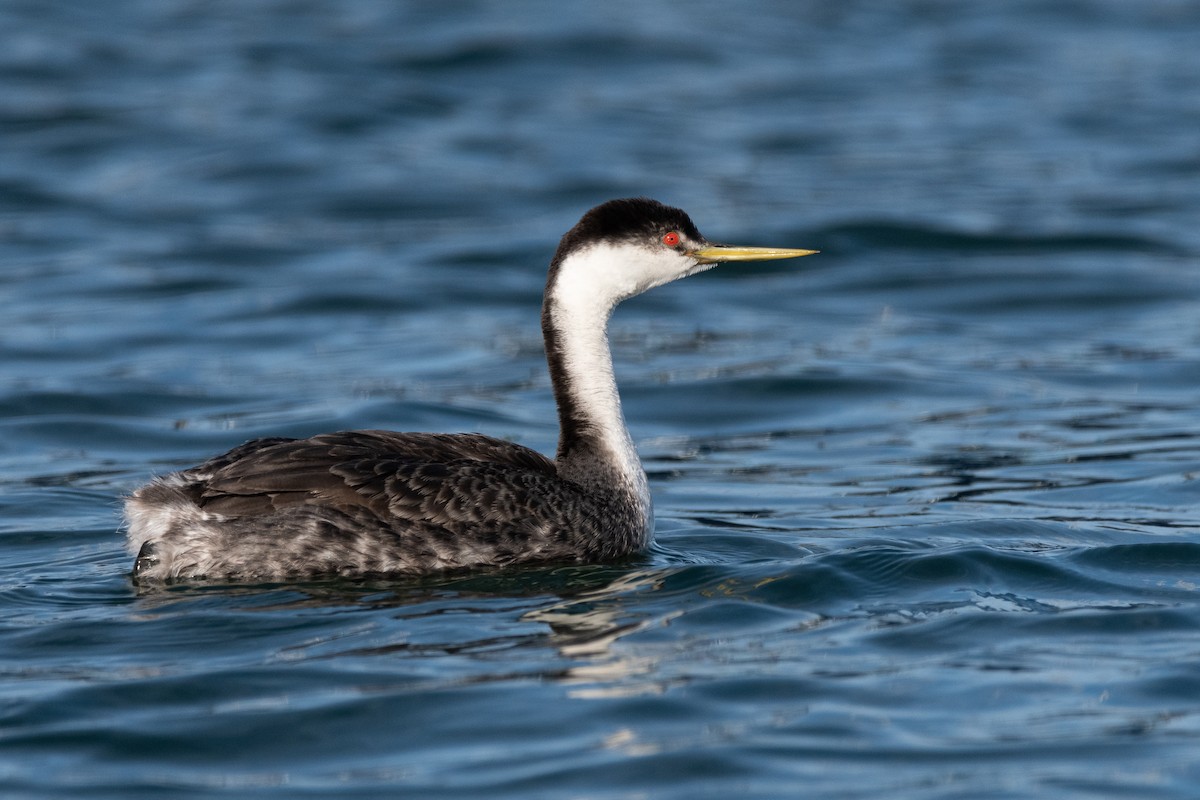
929, 503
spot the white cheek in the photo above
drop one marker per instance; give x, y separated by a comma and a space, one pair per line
604, 274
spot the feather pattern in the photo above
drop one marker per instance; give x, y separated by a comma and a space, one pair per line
371, 502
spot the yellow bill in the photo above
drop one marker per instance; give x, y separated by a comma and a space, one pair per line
719, 252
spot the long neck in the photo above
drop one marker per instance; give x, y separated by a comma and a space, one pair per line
594, 446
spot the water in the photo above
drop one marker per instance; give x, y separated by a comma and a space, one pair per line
927, 502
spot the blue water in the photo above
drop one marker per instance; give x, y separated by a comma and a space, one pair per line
928, 503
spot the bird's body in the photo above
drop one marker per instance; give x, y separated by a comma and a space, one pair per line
370, 502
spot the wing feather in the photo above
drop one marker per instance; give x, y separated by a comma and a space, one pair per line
374, 502
444, 479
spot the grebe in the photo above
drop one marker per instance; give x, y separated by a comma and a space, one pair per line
359, 503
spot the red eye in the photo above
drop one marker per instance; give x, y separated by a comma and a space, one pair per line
670, 239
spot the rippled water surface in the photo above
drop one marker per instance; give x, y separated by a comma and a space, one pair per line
928, 503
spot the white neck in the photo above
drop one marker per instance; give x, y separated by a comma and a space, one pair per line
594, 444
586, 364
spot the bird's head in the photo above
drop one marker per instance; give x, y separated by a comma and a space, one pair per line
624, 247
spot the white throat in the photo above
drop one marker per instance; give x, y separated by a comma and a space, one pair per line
587, 288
